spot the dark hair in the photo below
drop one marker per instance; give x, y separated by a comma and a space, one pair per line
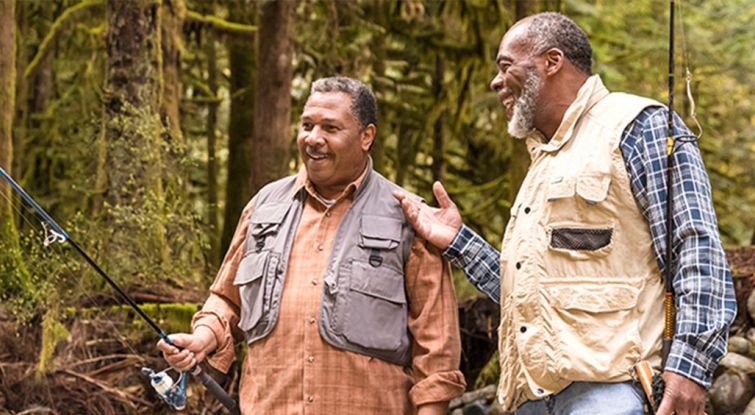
554, 30
363, 103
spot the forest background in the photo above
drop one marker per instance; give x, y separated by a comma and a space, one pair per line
145, 126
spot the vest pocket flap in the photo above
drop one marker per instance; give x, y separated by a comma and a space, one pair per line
593, 189
380, 282
594, 297
250, 269
560, 187
380, 232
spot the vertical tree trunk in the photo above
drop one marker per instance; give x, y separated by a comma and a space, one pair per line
133, 132
439, 166
212, 163
239, 183
378, 11
13, 274
272, 109
172, 14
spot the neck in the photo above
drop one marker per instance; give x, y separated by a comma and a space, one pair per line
564, 90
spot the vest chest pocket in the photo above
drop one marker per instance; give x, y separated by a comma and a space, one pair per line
376, 307
580, 224
265, 223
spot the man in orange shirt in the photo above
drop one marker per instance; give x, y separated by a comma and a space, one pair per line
342, 308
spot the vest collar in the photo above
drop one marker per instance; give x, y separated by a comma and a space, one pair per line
589, 94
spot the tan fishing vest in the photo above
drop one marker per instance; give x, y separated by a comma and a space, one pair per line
581, 292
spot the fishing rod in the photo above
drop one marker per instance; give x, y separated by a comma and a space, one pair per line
170, 391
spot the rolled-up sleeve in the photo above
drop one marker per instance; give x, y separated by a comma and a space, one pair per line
220, 313
434, 324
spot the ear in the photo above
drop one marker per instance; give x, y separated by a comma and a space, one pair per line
367, 137
554, 61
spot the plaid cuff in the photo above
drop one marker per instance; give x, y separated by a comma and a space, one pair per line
479, 261
691, 363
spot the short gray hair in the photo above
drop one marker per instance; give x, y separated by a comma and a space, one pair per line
363, 103
554, 30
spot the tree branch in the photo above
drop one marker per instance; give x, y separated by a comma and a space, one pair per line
219, 25
44, 47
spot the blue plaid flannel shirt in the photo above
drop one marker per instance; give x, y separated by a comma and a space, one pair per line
702, 281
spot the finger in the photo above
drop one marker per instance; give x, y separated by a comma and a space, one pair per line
181, 340
444, 201
400, 196
186, 362
411, 210
166, 348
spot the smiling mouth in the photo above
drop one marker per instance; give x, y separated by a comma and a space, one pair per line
316, 155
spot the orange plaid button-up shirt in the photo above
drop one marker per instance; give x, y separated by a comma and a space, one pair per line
294, 371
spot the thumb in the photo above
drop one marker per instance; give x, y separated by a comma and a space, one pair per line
444, 201
666, 407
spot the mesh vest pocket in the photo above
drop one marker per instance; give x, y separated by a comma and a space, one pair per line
580, 239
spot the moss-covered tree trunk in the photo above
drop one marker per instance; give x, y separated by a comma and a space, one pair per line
239, 183
13, 273
212, 162
272, 109
134, 195
175, 179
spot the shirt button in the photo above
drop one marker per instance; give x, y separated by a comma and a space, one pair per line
311, 320
518, 265
523, 329
314, 282
527, 209
328, 214
311, 359
540, 391
310, 398
320, 247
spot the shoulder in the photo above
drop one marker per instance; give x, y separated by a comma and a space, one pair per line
388, 187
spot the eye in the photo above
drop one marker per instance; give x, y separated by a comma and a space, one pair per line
306, 125
504, 67
330, 128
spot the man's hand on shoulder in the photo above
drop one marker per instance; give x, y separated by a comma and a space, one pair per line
194, 348
438, 226
682, 396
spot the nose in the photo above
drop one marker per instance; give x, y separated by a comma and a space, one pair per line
497, 83
314, 137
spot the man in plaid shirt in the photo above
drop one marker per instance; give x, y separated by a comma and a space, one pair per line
579, 274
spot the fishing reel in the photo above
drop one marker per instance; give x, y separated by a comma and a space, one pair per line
170, 391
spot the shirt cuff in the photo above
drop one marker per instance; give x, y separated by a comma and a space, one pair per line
689, 362
460, 250
438, 387
223, 356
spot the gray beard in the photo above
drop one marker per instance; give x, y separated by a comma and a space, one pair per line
522, 120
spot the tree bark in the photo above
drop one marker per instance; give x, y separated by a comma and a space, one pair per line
172, 15
239, 182
13, 273
272, 110
212, 163
134, 193
439, 167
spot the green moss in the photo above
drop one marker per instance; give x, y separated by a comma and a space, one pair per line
53, 332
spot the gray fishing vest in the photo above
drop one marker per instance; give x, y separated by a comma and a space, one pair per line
363, 307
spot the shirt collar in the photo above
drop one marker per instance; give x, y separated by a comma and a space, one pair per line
589, 94
303, 182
